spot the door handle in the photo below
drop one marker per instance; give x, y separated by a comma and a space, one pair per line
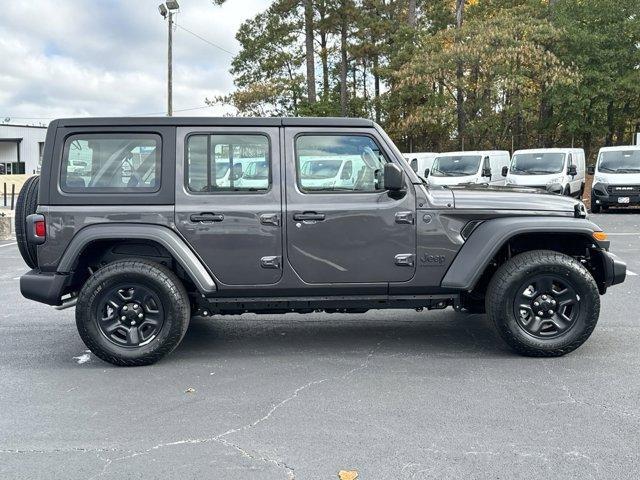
206, 217
308, 216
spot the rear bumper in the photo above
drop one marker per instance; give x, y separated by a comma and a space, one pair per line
615, 269
43, 287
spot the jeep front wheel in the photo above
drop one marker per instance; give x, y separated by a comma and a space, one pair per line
543, 303
132, 312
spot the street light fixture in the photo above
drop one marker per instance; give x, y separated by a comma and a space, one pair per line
167, 10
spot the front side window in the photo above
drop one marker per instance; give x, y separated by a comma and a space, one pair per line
350, 163
537, 163
111, 163
455, 165
620, 161
228, 163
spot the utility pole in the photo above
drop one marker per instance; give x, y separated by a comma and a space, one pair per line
167, 10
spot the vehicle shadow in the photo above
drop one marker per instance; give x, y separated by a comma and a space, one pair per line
443, 333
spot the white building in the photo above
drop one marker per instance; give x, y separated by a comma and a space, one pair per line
21, 148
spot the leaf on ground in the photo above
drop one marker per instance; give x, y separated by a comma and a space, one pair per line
190, 390
348, 474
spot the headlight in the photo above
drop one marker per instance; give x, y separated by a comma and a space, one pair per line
509, 181
555, 180
599, 179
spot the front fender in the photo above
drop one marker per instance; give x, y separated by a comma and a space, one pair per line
491, 235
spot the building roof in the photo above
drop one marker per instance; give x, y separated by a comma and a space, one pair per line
216, 121
15, 125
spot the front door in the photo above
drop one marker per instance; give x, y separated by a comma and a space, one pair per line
228, 201
345, 232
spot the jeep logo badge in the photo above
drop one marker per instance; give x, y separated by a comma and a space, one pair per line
426, 259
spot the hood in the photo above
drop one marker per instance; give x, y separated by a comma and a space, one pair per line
452, 180
617, 178
509, 198
534, 179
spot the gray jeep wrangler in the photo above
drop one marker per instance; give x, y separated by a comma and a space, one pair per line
142, 223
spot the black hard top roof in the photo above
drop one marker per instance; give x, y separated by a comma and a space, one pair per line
215, 121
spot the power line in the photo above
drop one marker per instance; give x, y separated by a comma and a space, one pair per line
204, 39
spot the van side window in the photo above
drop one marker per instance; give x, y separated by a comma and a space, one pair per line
228, 163
111, 163
320, 159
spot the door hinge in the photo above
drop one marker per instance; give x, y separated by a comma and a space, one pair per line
404, 217
270, 219
270, 262
404, 260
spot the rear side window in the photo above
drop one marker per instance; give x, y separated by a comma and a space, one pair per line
111, 163
228, 163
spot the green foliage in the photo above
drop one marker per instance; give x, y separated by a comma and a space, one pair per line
525, 73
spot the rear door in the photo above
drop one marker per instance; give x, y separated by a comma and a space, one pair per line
357, 233
228, 201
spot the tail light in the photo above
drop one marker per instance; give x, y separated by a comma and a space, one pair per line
36, 228
40, 228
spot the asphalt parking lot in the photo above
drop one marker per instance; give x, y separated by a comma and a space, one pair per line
391, 394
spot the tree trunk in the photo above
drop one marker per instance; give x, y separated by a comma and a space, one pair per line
308, 33
343, 60
411, 14
376, 87
324, 52
459, 79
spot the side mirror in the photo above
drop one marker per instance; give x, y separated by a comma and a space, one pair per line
505, 171
486, 172
426, 172
393, 177
572, 170
591, 169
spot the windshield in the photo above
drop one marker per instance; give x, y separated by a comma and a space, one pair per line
455, 165
537, 163
320, 169
221, 169
257, 171
622, 161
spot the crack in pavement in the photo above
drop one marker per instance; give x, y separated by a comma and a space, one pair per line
220, 438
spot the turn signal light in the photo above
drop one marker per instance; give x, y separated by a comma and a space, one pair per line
600, 236
40, 228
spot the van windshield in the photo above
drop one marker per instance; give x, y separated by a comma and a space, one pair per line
456, 165
320, 168
537, 163
622, 161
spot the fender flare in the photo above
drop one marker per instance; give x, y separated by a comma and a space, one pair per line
166, 237
487, 239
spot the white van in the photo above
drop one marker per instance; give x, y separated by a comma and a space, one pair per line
420, 161
455, 168
617, 178
330, 172
557, 170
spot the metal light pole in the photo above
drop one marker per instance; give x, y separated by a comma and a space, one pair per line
167, 10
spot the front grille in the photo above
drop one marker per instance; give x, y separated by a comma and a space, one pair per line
623, 189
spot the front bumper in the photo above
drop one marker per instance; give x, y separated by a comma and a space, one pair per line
600, 196
615, 270
43, 287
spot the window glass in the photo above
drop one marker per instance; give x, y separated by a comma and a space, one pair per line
620, 161
111, 163
339, 163
537, 163
228, 163
455, 165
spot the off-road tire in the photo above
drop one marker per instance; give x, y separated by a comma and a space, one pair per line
502, 291
152, 275
26, 204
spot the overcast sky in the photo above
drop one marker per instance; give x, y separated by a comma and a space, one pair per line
108, 57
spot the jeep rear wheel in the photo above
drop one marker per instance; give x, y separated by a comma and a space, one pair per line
132, 312
543, 303
26, 204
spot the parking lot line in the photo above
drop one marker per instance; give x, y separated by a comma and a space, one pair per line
626, 234
632, 274
8, 244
